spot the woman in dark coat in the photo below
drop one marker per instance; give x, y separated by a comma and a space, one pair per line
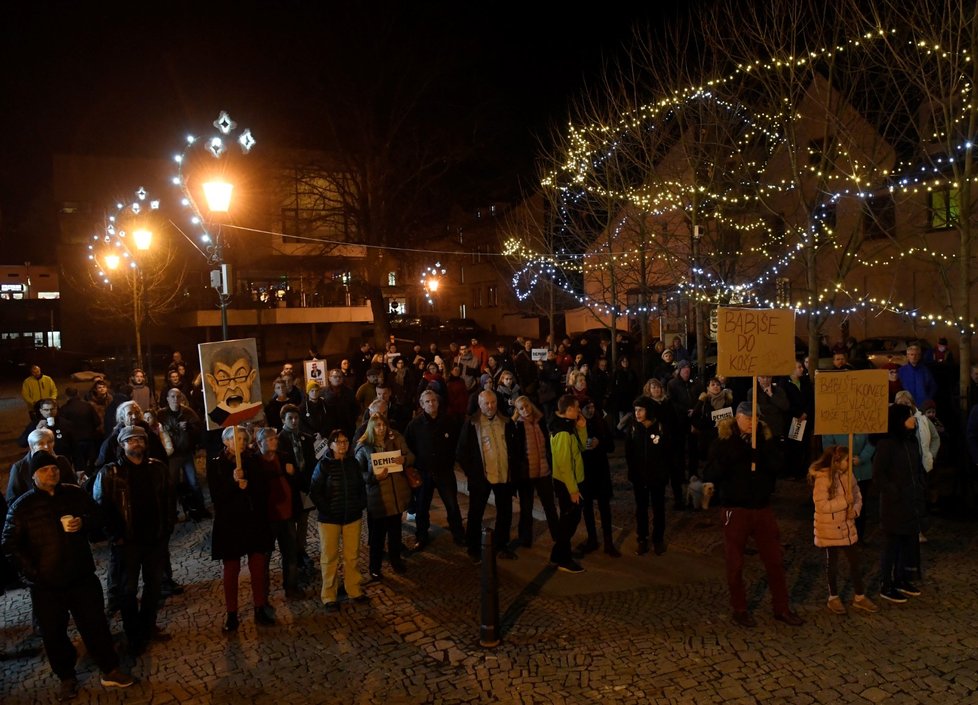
597, 485
388, 493
339, 494
897, 472
648, 455
241, 525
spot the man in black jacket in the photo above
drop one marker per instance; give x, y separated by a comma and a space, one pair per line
56, 561
137, 497
433, 437
745, 478
21, 475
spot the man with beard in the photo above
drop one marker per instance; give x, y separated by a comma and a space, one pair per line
136, 495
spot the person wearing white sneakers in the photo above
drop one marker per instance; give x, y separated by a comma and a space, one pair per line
838, 502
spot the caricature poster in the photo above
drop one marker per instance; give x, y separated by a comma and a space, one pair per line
231, 383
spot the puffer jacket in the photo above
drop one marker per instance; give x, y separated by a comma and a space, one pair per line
390, 496
45, 554
338, 491
835, 517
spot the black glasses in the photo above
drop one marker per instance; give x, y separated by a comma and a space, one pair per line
224, 379
48, 409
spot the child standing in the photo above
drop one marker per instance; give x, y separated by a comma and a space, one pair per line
837, 504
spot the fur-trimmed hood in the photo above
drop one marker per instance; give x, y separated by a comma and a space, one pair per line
725, 429
727, 397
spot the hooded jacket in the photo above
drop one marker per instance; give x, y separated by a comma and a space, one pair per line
835, 517
729, 466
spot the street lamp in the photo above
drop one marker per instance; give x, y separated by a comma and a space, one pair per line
431, 281
217, 193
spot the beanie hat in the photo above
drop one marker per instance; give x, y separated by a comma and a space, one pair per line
681, 364
310, 384
41, 459
646, 403
667, 351
745, 408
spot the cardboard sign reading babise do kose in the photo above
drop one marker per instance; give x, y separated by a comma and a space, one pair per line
755, 341
851, 402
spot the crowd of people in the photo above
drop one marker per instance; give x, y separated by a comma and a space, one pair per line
378, 434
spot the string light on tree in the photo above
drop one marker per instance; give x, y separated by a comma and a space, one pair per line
113, 245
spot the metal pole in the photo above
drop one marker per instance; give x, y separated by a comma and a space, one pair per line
222, 293
489, 589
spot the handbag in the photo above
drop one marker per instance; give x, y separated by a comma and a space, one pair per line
413, 477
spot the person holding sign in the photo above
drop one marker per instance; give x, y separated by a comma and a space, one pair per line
713, 406
745, 478
239, 492
382, 454
838, 502
339, 494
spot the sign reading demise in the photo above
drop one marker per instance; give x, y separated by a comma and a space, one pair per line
755, 341
851, 402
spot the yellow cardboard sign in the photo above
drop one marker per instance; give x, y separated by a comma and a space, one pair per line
851, 402
755, 341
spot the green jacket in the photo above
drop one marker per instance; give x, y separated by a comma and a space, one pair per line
566, 443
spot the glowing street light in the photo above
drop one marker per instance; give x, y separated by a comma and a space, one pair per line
112, 261
218, 195
143, 239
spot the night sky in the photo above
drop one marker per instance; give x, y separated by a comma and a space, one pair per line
131, 80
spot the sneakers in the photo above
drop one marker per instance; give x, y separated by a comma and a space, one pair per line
332, 607
861, 602
790, 618
744, 619
642, 548
570, 566
835, 605
908, 588
68, 690
116, 679
893, 595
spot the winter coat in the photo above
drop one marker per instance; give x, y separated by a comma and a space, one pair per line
22, 479
390, 496
919, 382
433, 442
898, 474
702, 419
338, 490
46, 555
458, 396
469, 452
648, 452
835, 517
729, 466
113, 492
772, 409
597, 469
184, 440
240, 515
521, 472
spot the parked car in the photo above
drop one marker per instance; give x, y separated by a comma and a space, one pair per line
416, 325
463, 329
883, 350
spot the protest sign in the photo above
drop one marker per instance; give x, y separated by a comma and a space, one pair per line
538, 354
752, 341
388, 459
851, 402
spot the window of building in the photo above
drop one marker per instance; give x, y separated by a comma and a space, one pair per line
944, 208
879, 217
391, 278
48, 295
491, 296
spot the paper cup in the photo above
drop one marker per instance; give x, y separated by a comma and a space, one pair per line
50, 420
64, 521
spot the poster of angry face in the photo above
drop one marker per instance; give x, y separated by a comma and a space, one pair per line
231, 383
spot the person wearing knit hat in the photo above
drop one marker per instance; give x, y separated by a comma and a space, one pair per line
648, 456
46, 539
310, 384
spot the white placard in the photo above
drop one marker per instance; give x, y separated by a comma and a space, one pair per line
797, 429
315, 371
387, 459
320, 447
538, 354
719, 415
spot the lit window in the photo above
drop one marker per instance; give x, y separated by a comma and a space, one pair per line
944, 208
391, 278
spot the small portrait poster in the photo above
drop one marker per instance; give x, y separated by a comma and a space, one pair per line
315, 371
230, 382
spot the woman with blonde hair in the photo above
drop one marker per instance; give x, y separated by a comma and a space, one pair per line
838, 502
388, 492
534, 471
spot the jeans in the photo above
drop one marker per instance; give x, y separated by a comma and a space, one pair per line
283, 533
83, 601
448, 491
643, 493
329, 540
570, 517
478, 499
183, 475
544, 487
139, 615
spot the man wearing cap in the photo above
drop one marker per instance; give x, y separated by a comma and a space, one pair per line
136, 495
43, 536
744, 479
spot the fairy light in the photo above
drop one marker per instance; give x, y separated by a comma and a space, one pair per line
112, 243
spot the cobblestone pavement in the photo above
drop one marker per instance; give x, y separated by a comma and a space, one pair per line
650, 629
